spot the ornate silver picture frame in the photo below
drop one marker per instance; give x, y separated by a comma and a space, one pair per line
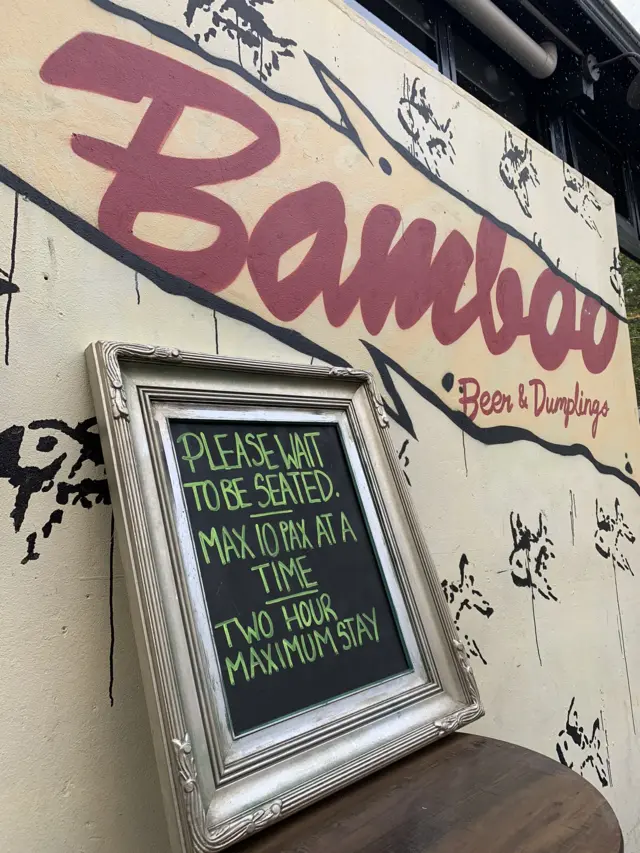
223, 780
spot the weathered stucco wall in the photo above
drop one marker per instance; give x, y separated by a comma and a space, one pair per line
353, 207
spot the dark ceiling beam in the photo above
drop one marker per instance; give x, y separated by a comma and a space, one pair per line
613, 24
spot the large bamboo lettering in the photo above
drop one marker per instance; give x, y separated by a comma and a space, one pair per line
408, 276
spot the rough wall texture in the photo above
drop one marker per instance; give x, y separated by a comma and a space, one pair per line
277, 179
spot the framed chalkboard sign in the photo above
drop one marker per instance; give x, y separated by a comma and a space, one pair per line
292, 632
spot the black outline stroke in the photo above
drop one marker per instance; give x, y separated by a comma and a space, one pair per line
490, 435
165, 281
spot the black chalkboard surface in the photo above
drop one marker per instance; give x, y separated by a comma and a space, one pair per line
298, 606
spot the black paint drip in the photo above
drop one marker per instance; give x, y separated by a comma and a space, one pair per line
7, 285
112, 641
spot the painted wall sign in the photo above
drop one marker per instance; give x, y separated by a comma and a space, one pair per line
282, 180
298, 606
292, 629
354, 259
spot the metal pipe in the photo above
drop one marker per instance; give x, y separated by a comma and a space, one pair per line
539, 60
549, 25
628, 54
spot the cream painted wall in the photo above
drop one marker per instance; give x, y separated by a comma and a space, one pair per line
539, 518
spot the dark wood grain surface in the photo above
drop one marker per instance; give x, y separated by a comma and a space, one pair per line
466, 794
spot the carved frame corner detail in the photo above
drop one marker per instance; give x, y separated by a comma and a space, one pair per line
468, 713
207, 836
112, 353
366, 377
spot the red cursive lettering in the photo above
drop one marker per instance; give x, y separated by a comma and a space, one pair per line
405, 275
146, 180
577, 405
473, 400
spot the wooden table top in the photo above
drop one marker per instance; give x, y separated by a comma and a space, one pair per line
465, 794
